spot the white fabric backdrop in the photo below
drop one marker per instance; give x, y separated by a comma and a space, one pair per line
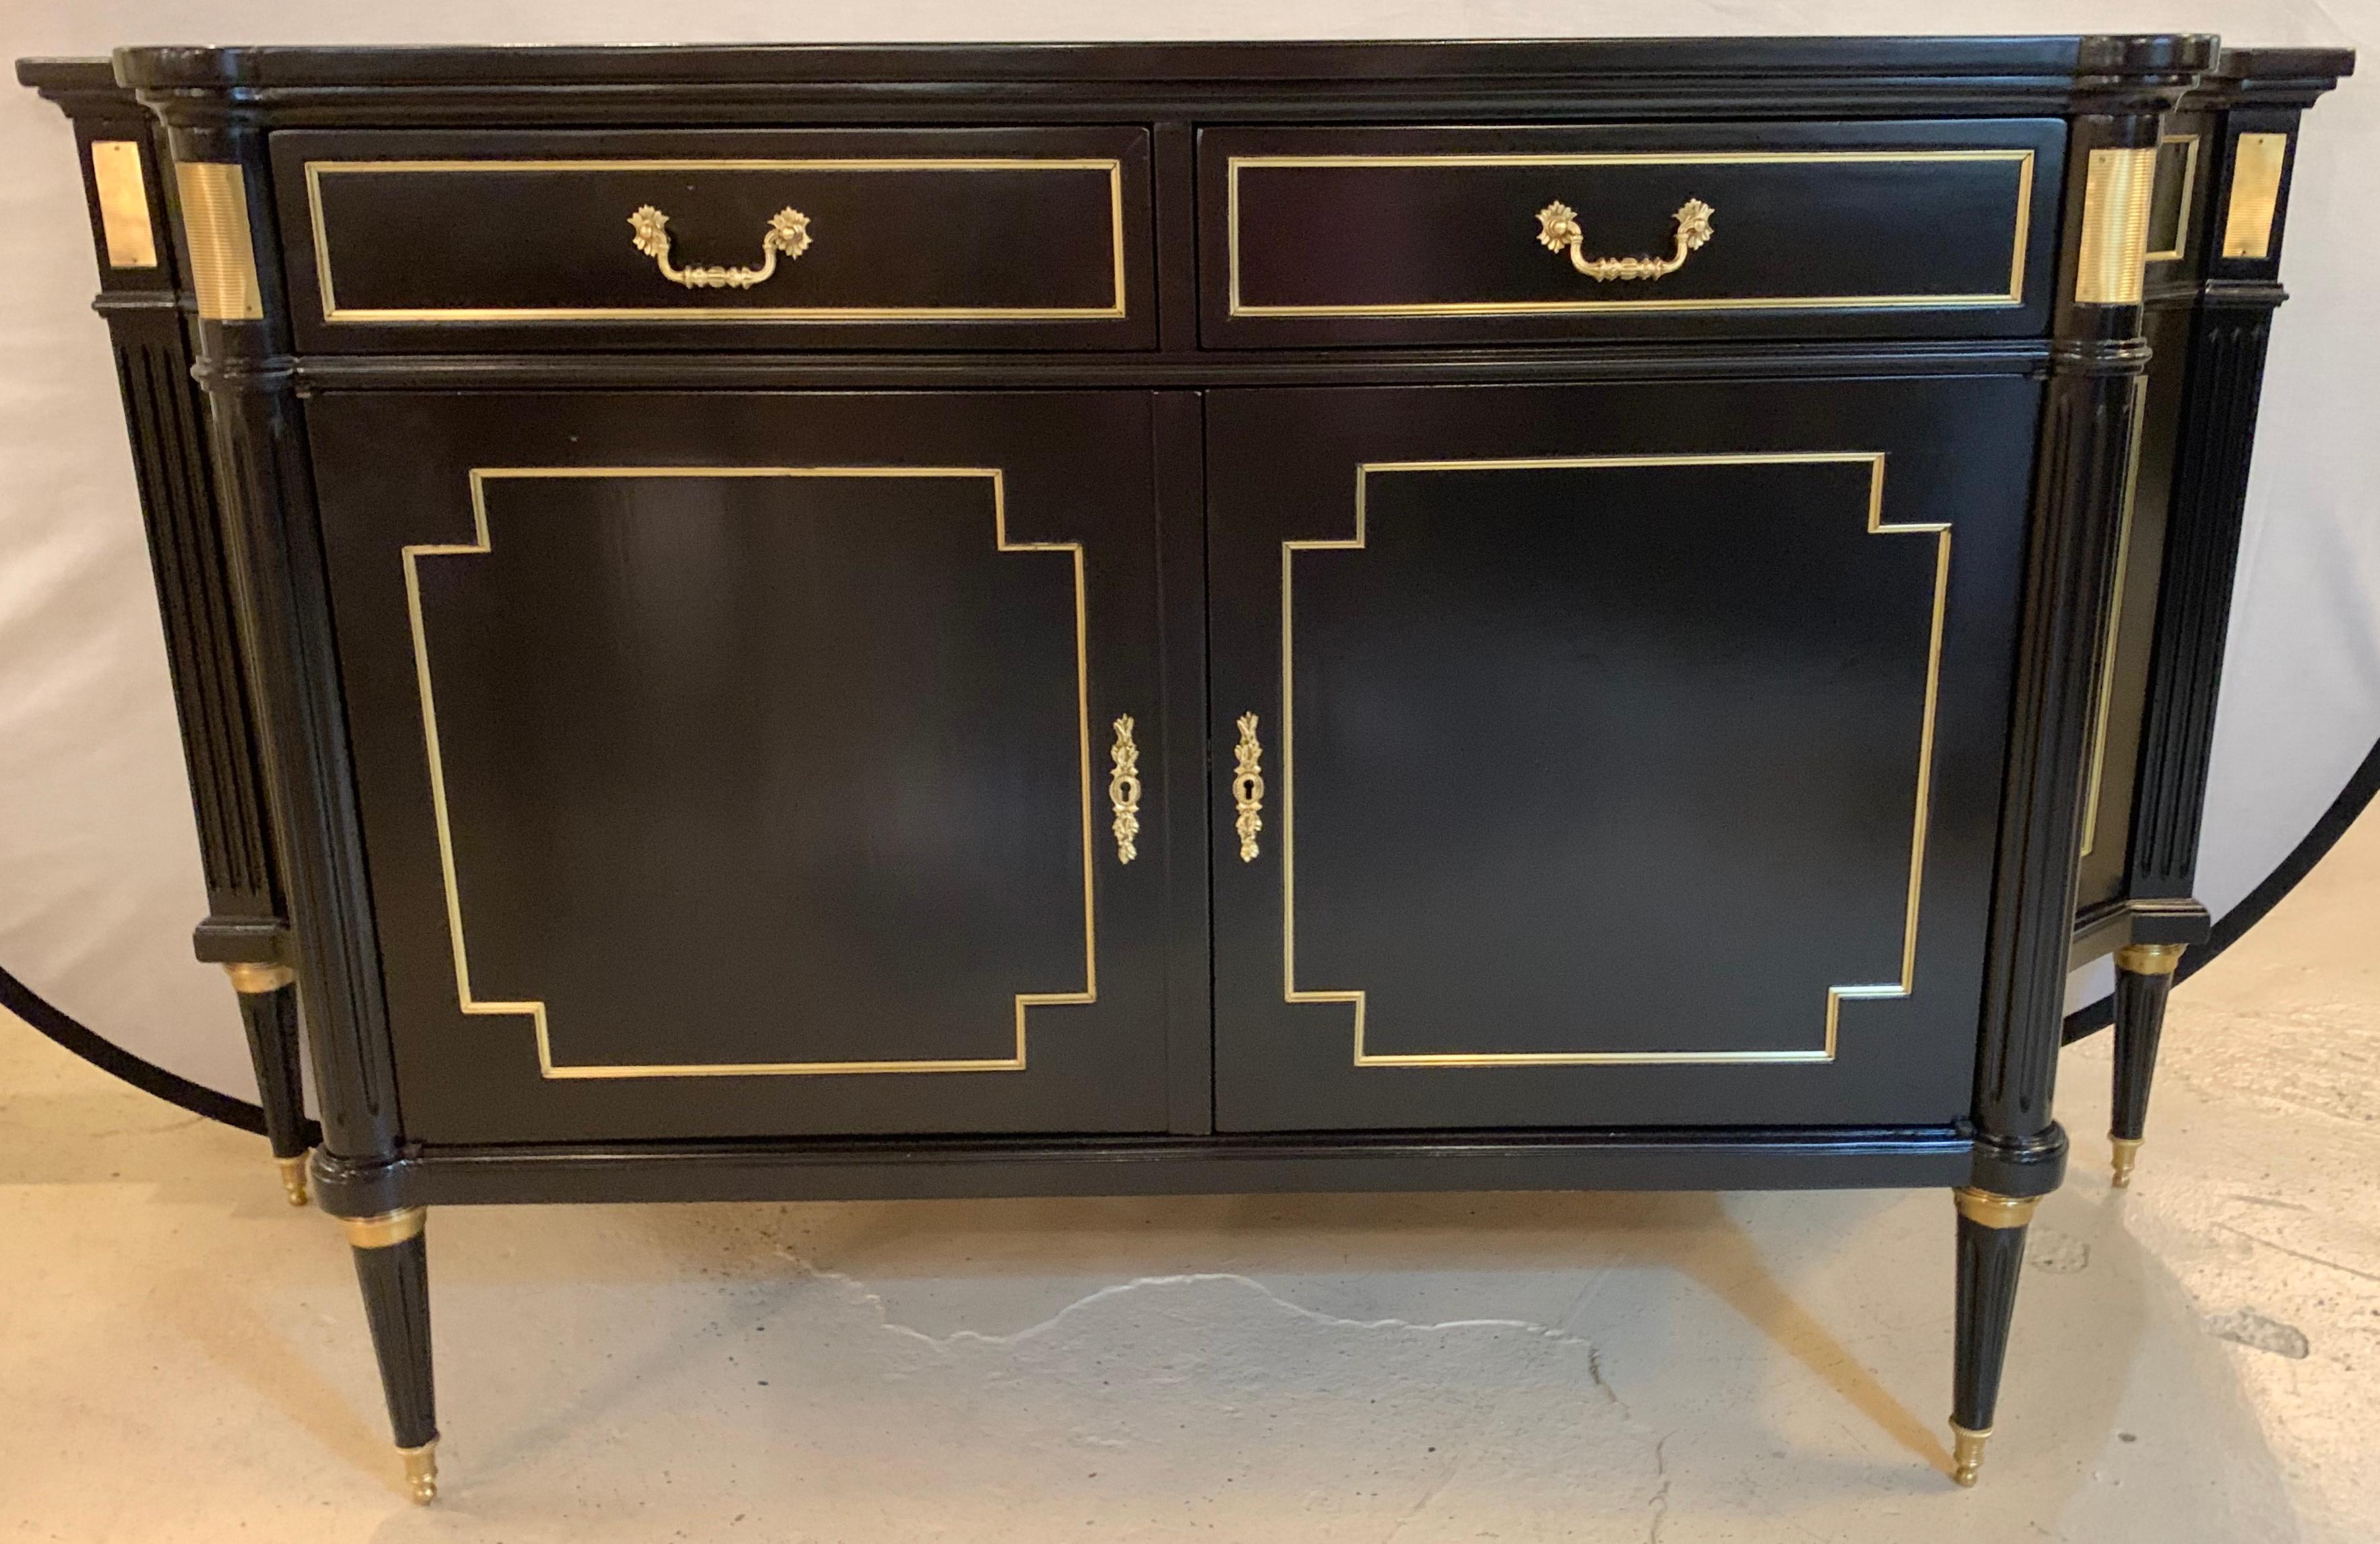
99, 876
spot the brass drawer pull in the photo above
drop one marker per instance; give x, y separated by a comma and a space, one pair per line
1247, 787
1558, 231
1123, 791
789, 232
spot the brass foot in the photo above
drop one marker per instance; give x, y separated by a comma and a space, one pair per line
292, 1178
1967, 1452
2128, 1152
421, 1471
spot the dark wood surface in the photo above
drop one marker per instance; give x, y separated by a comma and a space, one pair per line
1558, 89
1044, 242
1611, 759
1411, 235
757, 770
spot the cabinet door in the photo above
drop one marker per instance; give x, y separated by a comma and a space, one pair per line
1609, 756
744, 765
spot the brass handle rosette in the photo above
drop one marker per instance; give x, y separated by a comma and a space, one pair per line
1558, 231
789, 232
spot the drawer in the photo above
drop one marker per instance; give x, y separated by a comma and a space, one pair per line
883, 239
1451, 235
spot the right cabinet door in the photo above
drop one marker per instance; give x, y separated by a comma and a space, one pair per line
1612, 755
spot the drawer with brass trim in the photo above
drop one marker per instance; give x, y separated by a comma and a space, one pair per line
990, 238
1446, 235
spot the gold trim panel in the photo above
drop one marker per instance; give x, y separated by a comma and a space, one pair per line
333, 311
2105, 704
2112, 265
123, 190
2256, 168
1902, 987
2021, 223
2189, 186
223, 250
534, 1010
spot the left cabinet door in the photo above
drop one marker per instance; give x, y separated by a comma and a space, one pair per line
746, 765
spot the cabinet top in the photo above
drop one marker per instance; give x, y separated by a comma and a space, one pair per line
1654, 76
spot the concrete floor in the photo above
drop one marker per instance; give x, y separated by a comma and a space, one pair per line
183, 1357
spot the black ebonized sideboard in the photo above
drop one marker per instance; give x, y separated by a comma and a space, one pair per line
831, 622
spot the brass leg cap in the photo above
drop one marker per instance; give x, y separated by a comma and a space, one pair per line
1967, 1452
421, 1471
2128, 1152
292, 1178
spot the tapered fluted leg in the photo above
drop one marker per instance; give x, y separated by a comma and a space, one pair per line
268, 1005
393, 1266
2143, 976
1991, 1252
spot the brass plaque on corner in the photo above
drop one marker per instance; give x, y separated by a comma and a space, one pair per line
123, 203
2256, 166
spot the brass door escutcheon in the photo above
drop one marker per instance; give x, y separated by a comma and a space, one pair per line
1247, 787
1123, 791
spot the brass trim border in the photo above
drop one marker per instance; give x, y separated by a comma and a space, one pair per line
535, 1009
123, 190
1986, 1209
333, 311
2111, 268
2256, 166
1291, 992
386, 1228
2150, 959
223, 247
2014, 295
2188, 184
250, 980
2104, 703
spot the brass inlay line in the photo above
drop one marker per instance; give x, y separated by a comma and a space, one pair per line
1874, 461
333, 311
123, 203
222, 251
2111, 266
2021, 226
2181, 209
535, 1009
2256, 195
2106, 704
